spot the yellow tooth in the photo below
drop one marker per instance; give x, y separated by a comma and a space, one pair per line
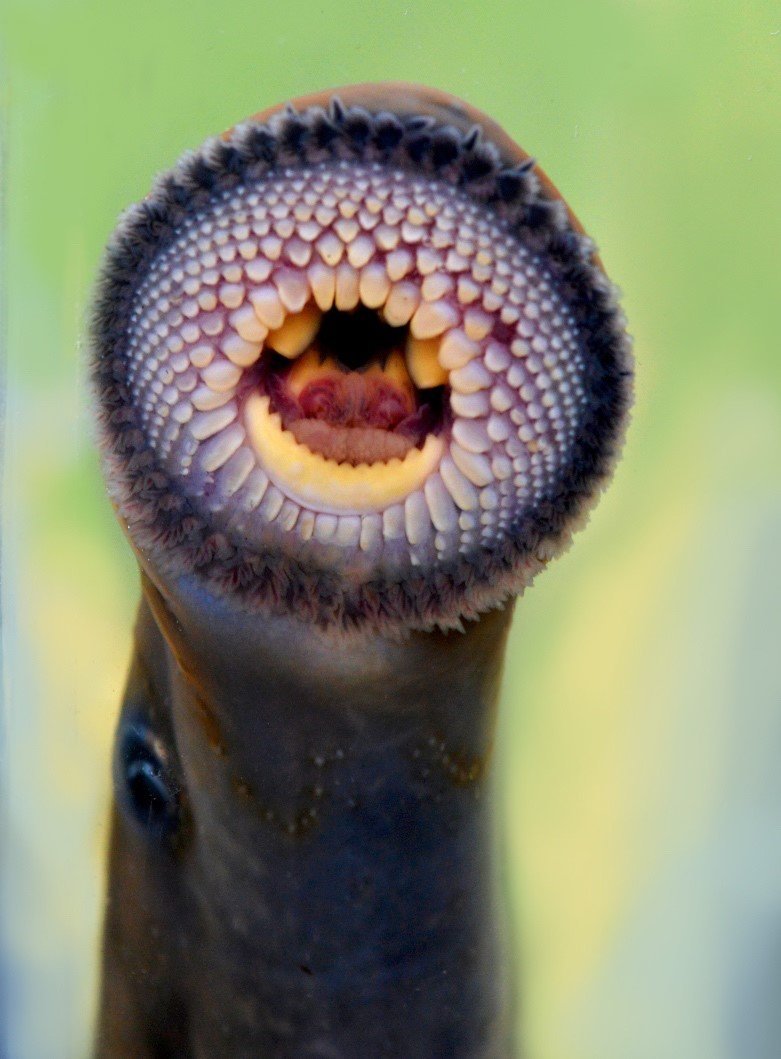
307, 368
347, 290
374, 286
248, 325
327, 486
423, 364
323, 283
293, 290
241, 352
402, 302
296, 333
432, 318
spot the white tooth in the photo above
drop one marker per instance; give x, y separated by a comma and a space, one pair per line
330, 248
248, 249
489, 499
459, 487
233, 273
205, 424
248, 325
219, 450
435, 287
443, 511
470, 405
348, 531
207, 300
501, 398
498, 428
432, 318
422, 364
477, 324
393, 522
347, 229
183, 412
212, 324
501, 467
374, 286
467, 291
475, 467
398, 263
496, 357
324, 215
472, 435
306, 524
221, 375
387, 237
428, 260
323, 283
455, 262
258, 270
297, 332
271, 247
286, 519
457, 350
267, 306
201, 355
257, 484
417, 520
402, 302
309, 231
360, 251
371, 532
239, 351
231, 295
471, 378
299, 253
191, 332
293, 290
520, 348
491, 302
325, 527
236, 471
347, 289
272, 504
205, 400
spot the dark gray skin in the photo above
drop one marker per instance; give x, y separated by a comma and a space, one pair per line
328, 887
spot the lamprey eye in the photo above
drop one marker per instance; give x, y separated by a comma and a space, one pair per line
144, 778
358, 363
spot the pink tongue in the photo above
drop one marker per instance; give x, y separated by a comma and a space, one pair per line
351, 444
354, 399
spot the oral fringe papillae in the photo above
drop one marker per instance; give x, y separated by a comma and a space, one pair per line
422, 450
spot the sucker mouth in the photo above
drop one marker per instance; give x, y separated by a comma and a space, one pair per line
353, 361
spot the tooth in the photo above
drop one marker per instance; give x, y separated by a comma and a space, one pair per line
207, 300
470, 405
212, 324
395, 369
398, 263
455, 262
501, 398
330, 248
306, 368
221, 375
460, 488
457, 350
360, 251
257, 484
467, 291
297, 332
258, 270
471, 378
183, 412
325, 527
348, 530
191, 332
428, 260
402, 302
201, 355
435, 287
417, 520
231, 295
298, 252
219, 450
347, 289
432, 318
271, 247
440, 504
422, 363
205, 424
248, 325
498, 428
393, 522
323, 283
472, 435
236, 471
248, 249
501, 467
347, 229
489, 499
475, 467
293, 290
477, 324
239, 351
288, 515
374, 286
371, 532
496, 357
272, 503
205, 400
306, 524
387, 237
267, 306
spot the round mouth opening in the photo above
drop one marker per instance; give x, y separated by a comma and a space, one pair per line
351, 387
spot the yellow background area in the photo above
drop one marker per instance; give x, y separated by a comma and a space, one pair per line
640, 741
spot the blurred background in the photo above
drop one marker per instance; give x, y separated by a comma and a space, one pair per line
640, 743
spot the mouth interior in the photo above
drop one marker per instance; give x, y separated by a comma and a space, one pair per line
350, 386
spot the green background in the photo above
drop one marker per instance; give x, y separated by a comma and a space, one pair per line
641, 730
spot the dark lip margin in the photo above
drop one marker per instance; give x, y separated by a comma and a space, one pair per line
162, 522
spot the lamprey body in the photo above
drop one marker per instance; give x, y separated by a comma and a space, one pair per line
359, 377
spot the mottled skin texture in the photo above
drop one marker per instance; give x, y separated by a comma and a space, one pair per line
330, 890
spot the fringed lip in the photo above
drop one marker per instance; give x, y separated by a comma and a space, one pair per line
367, 569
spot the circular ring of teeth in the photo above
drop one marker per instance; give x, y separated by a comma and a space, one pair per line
211, 330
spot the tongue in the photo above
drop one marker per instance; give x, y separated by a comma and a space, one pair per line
353, 445
354, 399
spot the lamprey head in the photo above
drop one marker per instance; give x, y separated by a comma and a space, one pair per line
356, 361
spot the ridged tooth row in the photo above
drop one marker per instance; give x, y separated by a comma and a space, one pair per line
483, 316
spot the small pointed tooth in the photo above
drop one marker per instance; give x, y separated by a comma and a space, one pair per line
467, 291
393, 522
239, 351
297, 332
205, 400
496, 357
398, 263
374, 286
306, 368
501, 398
359, 253
330, 248
422, 362
258, 270
457, 350
236, 471
395, 369
371, 532
268, 306
476, 468
231, 295
205, 424
221, 375
387, 237
460, 488
502, 468
477, 324
435, 287
201, 355
183, 412
432, 318
417, 519
428, 260
489, 498
288, 515
470, 405
444, 513
498, 428
323, 283
214, 453
348, 530
347, 228
293, 289
471, 378
272, 503
347, 288
402, 302
256, 486
325, 527
306, 524
247, 324
472, 435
